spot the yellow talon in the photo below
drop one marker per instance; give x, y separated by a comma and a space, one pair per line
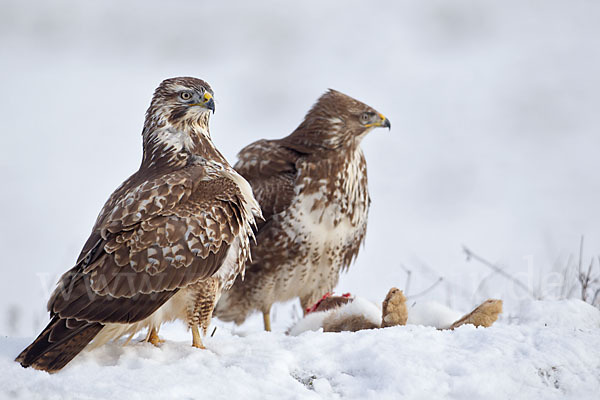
267, 320
153, 337
196, 339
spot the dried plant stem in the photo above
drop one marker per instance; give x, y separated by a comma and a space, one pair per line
497, 269
429, 289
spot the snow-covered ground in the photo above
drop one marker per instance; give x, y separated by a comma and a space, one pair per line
546, 350
494, 145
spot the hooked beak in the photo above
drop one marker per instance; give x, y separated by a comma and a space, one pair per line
207, 102
385, 122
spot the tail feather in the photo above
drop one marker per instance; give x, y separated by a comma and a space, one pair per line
58, 344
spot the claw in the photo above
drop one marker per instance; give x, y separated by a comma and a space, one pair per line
153, 337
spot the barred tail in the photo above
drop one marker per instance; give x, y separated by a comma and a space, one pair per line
58, 344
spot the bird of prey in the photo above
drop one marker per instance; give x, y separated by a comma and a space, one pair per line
181, 224
312, 188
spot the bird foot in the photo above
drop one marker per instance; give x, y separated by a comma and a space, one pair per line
154, 338
267, 320
196, 339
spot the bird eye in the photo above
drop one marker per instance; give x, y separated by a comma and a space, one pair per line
365, 117
185, 95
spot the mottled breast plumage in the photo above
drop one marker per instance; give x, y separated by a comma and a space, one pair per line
312, 187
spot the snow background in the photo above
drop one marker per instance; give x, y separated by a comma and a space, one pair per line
494, 141
552, 351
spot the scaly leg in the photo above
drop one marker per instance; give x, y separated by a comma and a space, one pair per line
267, 320
196, 340
153, 337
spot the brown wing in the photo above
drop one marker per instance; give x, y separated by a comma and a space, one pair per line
150, 241
271, 170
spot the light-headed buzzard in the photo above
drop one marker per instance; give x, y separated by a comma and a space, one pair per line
180, 224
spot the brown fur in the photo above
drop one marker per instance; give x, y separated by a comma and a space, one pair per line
394, 309
484, 315
332, 302
395, 312
350, 323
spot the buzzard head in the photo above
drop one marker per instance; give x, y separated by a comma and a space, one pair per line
182, 101
337, 119
177, 119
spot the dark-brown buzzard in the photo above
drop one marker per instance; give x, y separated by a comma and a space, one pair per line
181, 222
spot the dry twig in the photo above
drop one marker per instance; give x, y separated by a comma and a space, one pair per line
497, 269
429, 289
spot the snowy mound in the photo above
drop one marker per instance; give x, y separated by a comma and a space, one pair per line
551, 350
432, 313
359, 306
573, 313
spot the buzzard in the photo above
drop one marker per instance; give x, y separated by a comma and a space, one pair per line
180, 225
312, 188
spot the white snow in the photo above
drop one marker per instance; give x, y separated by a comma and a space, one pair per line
358, 306
311, 322
550, 350
432, 313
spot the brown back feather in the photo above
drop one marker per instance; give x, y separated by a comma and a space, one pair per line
170, 224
